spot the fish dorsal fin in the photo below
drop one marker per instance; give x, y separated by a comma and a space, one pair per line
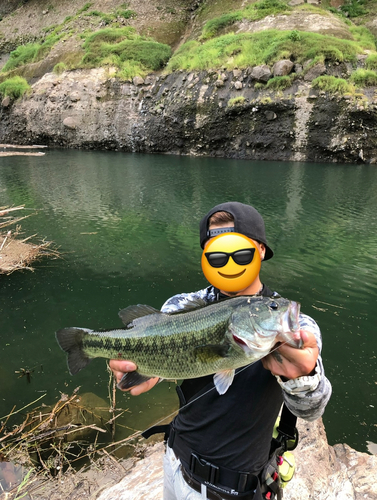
130, 313
223, 380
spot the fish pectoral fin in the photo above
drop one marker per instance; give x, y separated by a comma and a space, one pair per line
211, 352
131, 379
130, 313
223, 380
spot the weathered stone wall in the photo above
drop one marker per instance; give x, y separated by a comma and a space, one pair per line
193, 113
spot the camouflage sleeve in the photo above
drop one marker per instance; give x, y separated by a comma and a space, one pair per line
307, 397
184, 301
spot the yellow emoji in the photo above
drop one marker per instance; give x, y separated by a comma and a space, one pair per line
231, 262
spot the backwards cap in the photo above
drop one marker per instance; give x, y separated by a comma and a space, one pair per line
247, 221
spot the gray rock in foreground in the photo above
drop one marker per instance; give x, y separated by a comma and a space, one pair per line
323, 472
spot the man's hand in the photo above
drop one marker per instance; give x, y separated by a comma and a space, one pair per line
291, 362
120, 367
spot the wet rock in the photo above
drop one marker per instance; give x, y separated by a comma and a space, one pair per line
6, 102
270, 115
219, 83
70, 123
238, 85
315, 71
137, 80
283, 67
261, 73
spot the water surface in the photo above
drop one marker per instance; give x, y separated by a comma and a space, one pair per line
127, 228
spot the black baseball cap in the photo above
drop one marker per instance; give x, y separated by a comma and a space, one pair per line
247, 221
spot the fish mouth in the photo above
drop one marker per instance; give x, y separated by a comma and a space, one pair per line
232, 276
245, 346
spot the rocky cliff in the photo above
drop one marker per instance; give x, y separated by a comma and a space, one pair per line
198, 113
229, 111
323, 472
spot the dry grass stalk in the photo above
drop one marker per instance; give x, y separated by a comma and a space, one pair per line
18, 254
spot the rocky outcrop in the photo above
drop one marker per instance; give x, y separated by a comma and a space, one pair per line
190, 113
323, 472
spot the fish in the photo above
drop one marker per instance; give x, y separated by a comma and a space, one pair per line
201, 340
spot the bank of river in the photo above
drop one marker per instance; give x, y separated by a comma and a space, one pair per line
126, 226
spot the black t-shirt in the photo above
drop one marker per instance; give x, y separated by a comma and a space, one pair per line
232, 430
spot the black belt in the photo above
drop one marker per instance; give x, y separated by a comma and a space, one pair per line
214, 493
204, 472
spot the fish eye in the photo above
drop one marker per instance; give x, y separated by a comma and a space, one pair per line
274, 306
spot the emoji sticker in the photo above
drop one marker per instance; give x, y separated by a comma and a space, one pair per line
231, 262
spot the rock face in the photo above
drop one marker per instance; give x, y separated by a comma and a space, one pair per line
323, 472
188, 113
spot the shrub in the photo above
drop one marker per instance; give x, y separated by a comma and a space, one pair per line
354, 8
14, 87
236, 101
364, 78
333, 85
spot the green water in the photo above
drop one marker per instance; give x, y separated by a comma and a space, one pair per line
127, 228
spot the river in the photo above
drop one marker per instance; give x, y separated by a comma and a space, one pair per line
127, 229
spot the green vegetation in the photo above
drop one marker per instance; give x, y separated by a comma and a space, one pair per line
59, 68
265, 47
236, 101
31, 52
122, 47
363, 36
371, 61
364, 78
107, 18
279, 82
252, 12
14, 87
333, 85
354, 8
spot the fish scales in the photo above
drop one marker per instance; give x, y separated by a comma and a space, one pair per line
215, 339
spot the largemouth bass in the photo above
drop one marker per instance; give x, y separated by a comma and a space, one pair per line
216, 338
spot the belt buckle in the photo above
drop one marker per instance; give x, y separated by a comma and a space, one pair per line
205, 470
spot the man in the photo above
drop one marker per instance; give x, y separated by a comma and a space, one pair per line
220, 444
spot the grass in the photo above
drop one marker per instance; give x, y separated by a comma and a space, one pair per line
14, 87
252, 12
333, 85
59, 68
362, 35
371, 61
131, 53
265, 47
364, 78
31, 52
236, 101
279, 83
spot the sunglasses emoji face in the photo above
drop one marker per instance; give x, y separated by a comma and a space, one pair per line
231, 262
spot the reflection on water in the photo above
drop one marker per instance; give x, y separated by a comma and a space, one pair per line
127, 227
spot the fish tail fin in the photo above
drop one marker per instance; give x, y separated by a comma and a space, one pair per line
70, 340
